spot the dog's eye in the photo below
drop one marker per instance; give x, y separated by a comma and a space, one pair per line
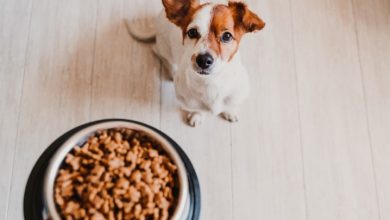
192, 33
226, 37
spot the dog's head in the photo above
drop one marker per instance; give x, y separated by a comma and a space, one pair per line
211, 32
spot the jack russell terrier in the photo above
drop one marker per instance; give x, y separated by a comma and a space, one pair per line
198, 45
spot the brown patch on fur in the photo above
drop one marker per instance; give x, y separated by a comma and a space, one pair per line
222, 22
181, 12
190, 18
235, 18
245, 19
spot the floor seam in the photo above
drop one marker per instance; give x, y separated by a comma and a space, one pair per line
19, 110
357, 42
299, 112
161, 90
93, 61
231, 168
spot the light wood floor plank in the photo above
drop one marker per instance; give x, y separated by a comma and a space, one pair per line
373, 33
56, 89
14, 26
336, 149
266, 157
126, 81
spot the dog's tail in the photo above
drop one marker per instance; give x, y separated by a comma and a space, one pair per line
146, 37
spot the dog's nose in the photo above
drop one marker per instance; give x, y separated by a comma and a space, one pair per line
204, 61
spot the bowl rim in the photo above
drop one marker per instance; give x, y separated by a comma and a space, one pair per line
81, 136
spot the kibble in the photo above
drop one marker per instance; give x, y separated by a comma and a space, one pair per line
117, 174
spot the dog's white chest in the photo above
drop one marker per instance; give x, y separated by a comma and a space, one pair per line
203, 95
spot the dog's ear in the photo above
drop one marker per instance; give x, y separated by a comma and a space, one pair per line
244, 17
179, 10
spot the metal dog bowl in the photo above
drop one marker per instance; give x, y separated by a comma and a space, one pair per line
39, 195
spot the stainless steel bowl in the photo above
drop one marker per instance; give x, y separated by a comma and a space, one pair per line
81, 136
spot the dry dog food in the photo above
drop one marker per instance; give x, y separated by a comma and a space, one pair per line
117, 174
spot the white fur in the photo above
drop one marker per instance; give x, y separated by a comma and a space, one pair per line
220, 92
202, 20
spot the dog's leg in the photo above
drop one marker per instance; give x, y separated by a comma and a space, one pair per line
230, 115
195, 118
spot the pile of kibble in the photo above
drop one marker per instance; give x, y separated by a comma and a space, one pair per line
117, 174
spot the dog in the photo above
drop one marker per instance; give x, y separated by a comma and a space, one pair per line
198, 44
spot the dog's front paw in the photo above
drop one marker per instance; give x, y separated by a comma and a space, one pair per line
230, 116
194, 119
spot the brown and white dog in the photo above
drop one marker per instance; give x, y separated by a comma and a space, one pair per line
198, 44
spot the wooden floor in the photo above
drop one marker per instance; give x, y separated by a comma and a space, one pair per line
313, 140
